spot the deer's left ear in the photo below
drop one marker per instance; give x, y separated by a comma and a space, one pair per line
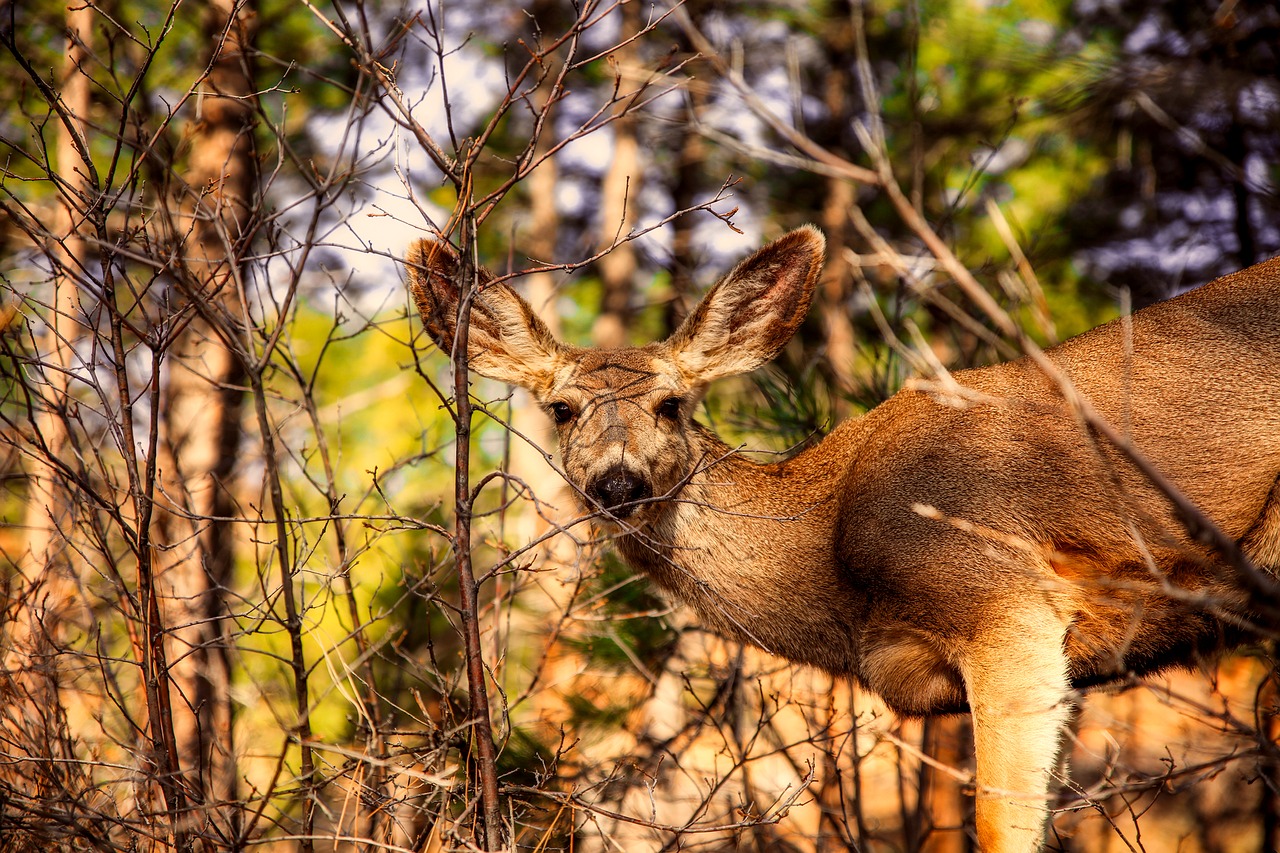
748, 317
505, 339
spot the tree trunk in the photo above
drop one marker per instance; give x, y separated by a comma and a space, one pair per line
524, 461
49, 592
1267, 707
943, 804
684, 255
836, 287
204, 402
835, 291
619, 191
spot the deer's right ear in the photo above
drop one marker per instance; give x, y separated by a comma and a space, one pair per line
505, 339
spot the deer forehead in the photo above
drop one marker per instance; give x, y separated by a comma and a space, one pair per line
633, 373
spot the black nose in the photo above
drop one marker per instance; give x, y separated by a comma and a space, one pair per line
617, 491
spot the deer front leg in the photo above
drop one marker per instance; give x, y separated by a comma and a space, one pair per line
1016, 677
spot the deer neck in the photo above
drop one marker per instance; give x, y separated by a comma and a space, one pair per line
751, 548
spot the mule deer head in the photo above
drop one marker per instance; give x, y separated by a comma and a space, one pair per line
990, 556
624, 416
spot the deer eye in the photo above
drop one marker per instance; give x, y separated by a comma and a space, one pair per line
670, 408
561, 412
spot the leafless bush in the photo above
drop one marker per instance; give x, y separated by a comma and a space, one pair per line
277, 577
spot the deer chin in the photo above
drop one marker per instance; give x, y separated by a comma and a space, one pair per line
644, 514
622, 518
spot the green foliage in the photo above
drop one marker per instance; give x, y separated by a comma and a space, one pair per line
628, 637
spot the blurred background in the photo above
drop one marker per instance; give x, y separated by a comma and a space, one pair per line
238, 590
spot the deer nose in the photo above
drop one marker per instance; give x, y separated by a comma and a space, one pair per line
617, 489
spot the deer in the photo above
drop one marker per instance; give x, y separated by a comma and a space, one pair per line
980, 551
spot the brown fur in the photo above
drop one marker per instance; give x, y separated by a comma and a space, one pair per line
980, 551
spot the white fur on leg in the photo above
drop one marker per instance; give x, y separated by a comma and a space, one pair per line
1017, 683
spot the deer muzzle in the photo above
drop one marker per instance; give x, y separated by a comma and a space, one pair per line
618, 490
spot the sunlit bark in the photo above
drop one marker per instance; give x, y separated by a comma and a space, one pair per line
203, 399
35, 670
619, 192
